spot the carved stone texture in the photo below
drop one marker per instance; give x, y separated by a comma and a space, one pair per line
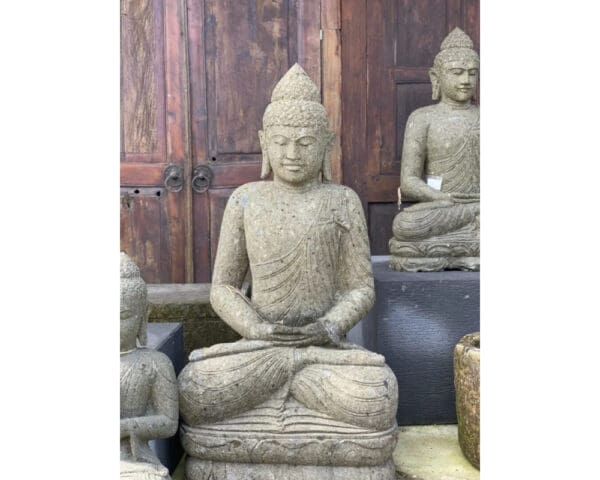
466, 382
149, 407
440, 169
292, 398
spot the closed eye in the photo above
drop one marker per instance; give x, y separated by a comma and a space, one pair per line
279, 140
306, 141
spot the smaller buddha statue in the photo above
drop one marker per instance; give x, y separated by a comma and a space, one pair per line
149, 406
440, 169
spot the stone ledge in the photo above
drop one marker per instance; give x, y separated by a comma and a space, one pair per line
189, 304
431, 452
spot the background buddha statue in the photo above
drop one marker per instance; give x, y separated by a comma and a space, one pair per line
292, 391
149, 407
440, 169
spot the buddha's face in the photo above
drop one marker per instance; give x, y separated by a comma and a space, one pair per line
295, 153
458, 80
132, 316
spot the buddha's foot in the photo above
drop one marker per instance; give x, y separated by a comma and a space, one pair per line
197, 469
434, 255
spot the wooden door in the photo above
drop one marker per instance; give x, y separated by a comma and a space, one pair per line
196, 78
155, 228
388, 47
238, 52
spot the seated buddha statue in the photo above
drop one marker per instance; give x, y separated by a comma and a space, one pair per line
292, 397
149, 407
440, 169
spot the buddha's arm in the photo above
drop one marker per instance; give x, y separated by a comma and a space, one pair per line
230, 269
355, 277
162, 421
414, 155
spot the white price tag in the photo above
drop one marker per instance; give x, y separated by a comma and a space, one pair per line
434, 182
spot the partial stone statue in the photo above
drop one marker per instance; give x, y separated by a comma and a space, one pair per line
467, 356
292, 399
149, 407
440, 169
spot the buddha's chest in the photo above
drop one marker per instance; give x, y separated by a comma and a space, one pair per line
273, 227
454, 134
137, 377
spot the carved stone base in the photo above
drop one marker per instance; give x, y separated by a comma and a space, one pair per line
434, 256
197, 469
352, 449
436, 264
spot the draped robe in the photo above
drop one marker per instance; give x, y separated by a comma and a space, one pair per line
308, 254
441, 142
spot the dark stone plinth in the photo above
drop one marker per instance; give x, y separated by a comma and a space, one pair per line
168, 339
417, 320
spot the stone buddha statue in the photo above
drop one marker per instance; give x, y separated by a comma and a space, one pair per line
149, 407
440, 169
292, 399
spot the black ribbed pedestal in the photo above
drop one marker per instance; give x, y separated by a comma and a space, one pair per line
417, 320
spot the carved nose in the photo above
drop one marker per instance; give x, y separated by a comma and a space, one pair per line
291, 151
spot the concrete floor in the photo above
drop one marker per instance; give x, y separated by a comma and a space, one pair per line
432, 452
428, 452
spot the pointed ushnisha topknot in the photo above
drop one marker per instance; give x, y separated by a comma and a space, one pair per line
455, 47
132, 282
296, 85
129, 269
295, 102
457, 39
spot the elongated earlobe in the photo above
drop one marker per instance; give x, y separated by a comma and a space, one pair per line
265, 169
435, 85
326, 167
142, 335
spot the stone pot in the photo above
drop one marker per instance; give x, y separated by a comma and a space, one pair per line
466, 382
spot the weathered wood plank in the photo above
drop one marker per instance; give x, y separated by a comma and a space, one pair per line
142, 102
248, 48
331, 15
179, 206
354, 73
143, 238
332, 79
309, 38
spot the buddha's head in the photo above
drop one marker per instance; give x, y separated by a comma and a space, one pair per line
455, 69
296, 140
134, 305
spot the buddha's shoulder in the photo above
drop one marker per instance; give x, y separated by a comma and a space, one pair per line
243, 194
339, 190
343, 193
252, 189
424, 114
158, 359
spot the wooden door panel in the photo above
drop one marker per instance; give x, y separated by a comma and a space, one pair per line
144, 215
247, 46
142, 81
154, 114
218, 201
